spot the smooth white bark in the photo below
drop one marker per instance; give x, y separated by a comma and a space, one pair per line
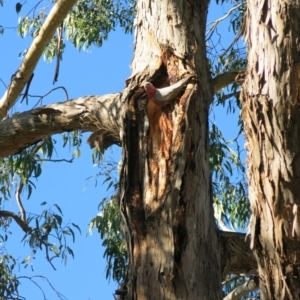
23, 74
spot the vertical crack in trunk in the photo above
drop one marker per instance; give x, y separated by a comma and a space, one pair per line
165, 192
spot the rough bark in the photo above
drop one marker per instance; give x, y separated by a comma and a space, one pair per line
97, 114
165, 194
100, 115
237, 258
175, 250
271, 99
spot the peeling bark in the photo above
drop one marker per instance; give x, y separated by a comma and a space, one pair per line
100, 115
27, 128
165, 195
271, 107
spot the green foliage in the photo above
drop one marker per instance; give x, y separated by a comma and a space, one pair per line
107, 222
221, 56
45, 231
226, 159
9, 283
23, 166
28, 163
5, 183
49, 232
228, 176
73, 139
97, 156
32, 26
51, 50
88, 23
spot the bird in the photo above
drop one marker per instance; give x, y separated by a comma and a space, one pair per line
166, 94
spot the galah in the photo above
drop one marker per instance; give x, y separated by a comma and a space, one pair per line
164, 95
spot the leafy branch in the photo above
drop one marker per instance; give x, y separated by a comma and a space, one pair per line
23, 74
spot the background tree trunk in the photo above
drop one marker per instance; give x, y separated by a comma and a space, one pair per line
271, 99
165, 194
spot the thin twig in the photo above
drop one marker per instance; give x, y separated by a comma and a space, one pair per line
33, 9
19, 201
43, 96
59, 31
216, 23
3, 83
60, 295
225, 97
52, 90
57, 160
46, 244
237, 37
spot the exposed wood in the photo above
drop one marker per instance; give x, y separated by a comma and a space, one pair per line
165, 197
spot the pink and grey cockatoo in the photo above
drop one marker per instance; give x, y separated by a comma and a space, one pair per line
164, 95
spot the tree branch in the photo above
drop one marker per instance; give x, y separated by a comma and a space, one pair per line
19, 221
237, 256
19, 202
227, 78
99, 114
59, 295
216, 23
23, 74
245, 288
58, 160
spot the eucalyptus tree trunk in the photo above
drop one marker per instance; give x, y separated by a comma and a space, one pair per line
271, 99
165, 194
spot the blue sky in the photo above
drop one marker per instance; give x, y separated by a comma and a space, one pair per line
100, 71
96, 72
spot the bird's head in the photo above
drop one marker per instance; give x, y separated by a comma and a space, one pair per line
150, 89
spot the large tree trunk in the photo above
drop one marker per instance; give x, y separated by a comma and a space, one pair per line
271, 99
165, 194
